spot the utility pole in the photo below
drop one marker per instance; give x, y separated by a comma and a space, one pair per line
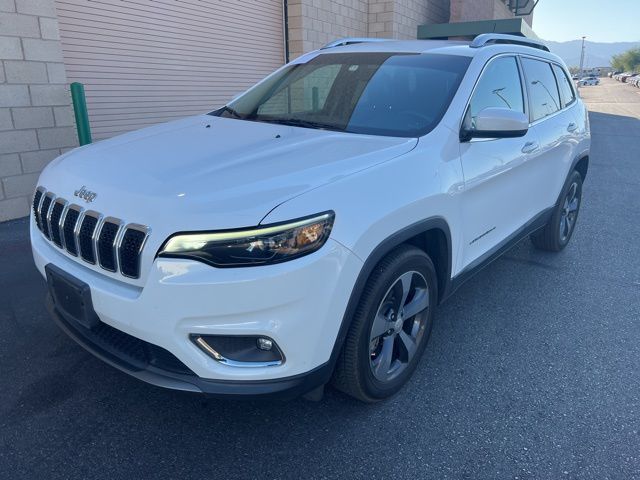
582, 57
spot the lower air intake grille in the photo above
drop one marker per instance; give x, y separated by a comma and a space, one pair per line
138, 352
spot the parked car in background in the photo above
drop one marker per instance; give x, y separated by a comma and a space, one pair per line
635, 81
624, 77
588, 81
305, 232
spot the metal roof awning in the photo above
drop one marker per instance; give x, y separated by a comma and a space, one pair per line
510, 26
522, 7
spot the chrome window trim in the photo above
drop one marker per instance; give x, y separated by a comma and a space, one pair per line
119, 223
141, 228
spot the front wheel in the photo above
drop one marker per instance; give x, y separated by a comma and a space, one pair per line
555, 235
390, 328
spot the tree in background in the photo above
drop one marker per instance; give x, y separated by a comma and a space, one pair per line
628, 61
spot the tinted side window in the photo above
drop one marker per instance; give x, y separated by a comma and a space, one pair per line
543, 90
564, 84
499, 86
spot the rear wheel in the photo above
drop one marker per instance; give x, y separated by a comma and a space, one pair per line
390, 328
555, 235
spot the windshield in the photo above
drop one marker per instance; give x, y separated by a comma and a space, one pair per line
394, 94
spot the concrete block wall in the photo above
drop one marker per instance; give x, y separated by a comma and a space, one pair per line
399, 19
469, 11
313, 23
36, 118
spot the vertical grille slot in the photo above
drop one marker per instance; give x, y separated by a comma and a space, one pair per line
44, 214
54, 224
69, 229
37, 198
86, 236
107, 244
130, 250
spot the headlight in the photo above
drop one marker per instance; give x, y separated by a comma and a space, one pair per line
256, 246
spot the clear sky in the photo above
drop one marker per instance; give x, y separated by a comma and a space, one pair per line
599, 20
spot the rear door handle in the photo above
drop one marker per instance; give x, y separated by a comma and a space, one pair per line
530, 147
572, 127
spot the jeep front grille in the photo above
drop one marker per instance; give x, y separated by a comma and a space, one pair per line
107, 242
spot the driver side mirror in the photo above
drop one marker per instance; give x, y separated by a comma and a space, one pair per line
493, 122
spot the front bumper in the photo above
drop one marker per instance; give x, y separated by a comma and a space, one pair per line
163, 375
299, 304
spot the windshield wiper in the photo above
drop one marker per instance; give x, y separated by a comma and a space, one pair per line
296, 122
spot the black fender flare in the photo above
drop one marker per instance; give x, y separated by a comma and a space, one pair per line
377, 254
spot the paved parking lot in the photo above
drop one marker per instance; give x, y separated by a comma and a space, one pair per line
533, 371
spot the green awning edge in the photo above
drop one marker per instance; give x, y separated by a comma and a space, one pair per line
512, 26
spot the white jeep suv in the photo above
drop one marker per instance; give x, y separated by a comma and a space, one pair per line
305, 232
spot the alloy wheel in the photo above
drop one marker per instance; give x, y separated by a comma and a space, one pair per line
399, 326
569, 212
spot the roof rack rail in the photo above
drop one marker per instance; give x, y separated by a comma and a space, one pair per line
501, 38
352, 40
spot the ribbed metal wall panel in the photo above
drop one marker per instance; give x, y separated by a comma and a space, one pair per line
149, 61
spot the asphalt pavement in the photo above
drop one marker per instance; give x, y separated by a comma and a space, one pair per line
532, 371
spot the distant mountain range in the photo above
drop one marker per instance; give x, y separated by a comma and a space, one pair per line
597, 54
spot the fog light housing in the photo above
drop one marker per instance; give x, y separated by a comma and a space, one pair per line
264, 343
240, 351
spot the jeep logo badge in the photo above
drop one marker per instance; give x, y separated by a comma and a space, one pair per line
87, 195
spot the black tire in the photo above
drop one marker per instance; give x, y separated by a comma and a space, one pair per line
354, 373
555, 235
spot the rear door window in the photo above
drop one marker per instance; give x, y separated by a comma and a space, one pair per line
544, 97
564, 85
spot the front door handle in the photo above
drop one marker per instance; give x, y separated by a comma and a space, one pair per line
530, 147
572, 127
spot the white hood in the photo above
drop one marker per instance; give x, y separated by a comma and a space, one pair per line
209, 172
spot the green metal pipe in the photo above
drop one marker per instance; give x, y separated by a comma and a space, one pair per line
80, 111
